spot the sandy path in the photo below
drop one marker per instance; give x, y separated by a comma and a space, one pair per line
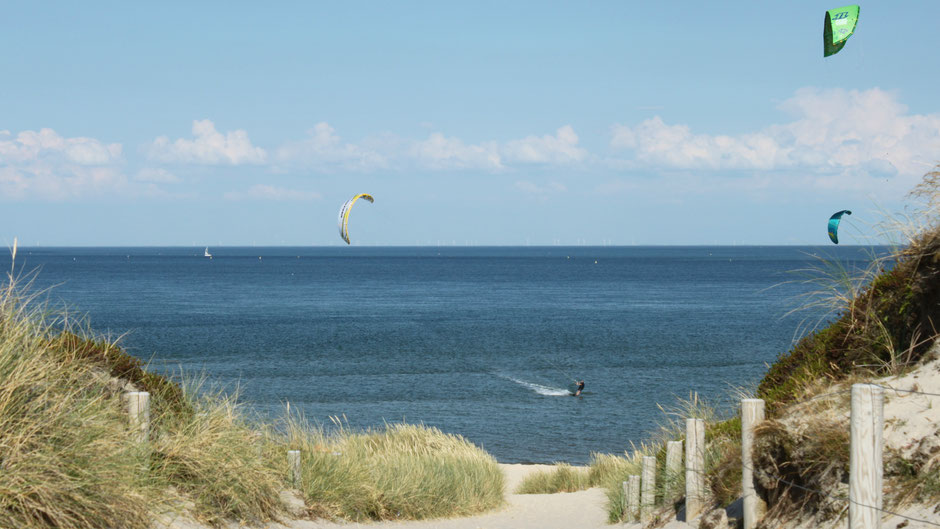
575, 510
582, 510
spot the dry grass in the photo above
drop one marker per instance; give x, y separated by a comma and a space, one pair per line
610, 471
214, 457
792, 462
562, 478
68, 460
400, 472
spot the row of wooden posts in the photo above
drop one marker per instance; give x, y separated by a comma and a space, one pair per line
865, 466
639, 491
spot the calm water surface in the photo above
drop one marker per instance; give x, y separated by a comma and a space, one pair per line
477, 341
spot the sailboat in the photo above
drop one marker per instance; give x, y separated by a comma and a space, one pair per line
209, 255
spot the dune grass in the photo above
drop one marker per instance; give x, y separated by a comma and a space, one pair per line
562, 478
885, 316
66, 457
212, 455
400, 472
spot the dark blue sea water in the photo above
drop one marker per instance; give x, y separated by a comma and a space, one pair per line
477, 341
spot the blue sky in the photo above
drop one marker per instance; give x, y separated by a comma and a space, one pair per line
236, 123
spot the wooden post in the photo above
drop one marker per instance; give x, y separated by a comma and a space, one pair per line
752, 413
694, 467
673, 468
624, 503
293, 468
137, 404
633, 500
865, 456
649, 488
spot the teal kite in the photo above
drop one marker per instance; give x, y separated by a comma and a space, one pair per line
838, 27
834, 221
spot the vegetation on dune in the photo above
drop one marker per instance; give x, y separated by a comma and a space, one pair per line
211, 455
796, 462
888, 315
888, 320
562, 478
401, 472
120, 365
66, 459
722, 442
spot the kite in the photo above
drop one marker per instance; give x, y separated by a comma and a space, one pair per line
344, 214
838, 27
834, 221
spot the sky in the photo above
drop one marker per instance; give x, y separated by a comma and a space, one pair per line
471, 123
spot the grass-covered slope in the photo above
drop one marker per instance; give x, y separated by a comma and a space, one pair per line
399, 472
891, 323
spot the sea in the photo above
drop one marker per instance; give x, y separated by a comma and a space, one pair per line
484, 342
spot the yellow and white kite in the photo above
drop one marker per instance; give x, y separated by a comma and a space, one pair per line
344, 214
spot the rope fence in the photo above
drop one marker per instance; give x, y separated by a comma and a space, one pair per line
830, 496
866, 446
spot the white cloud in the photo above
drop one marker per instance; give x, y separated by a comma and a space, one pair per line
441, 152
324, 149
208, 146
31, 146
46, 165
266, 192
846, 133
558, 149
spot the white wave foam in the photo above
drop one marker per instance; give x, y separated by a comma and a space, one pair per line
548, 391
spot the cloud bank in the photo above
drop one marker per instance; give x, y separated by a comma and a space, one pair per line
47, 165
208, 147
841, 132
859, 140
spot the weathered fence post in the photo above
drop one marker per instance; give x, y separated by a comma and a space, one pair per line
633, 500
752, 413
293, 468
649, 488
625, 501
694, 467
137, 404
865, 457
673, 468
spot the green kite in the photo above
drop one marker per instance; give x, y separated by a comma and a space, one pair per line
838, 27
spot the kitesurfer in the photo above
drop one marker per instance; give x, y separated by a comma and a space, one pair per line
577, 392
